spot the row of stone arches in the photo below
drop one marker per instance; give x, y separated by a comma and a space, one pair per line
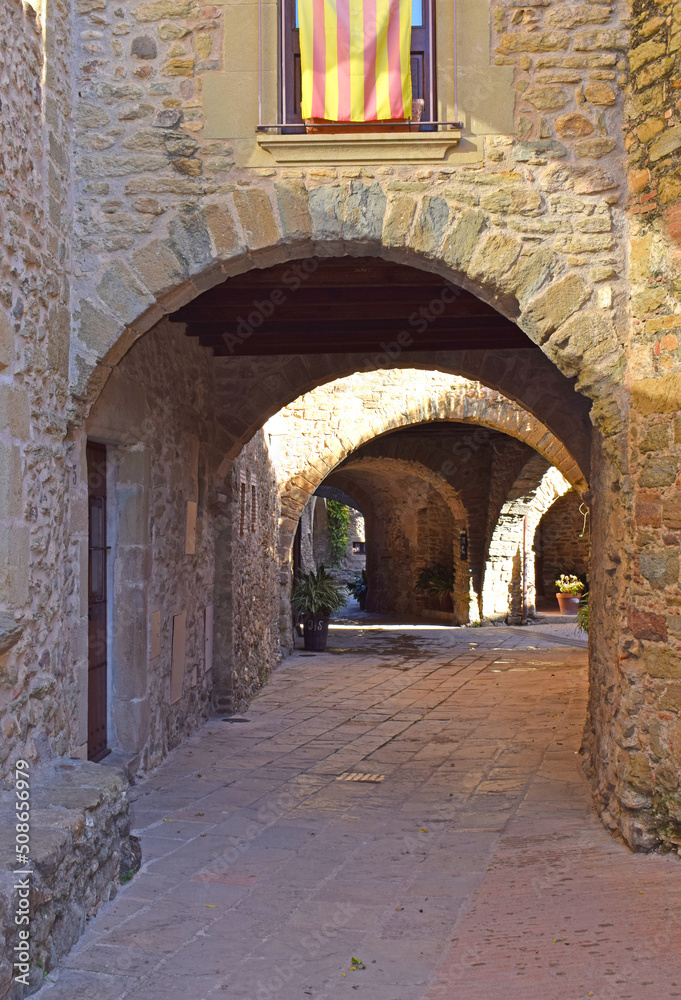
578, 347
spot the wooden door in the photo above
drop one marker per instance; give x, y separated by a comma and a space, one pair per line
97, 603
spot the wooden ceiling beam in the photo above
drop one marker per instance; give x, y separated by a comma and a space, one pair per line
340, 305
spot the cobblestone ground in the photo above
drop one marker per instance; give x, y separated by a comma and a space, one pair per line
474, 869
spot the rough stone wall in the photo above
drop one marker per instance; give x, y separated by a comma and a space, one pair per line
409, 526
316, 431
313, 512
436, 531
639, 790
34, 357
557, 546
256, 588
474, 468
544, 201
80, 824
511, 544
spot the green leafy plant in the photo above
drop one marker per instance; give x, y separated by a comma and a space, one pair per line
569, 584
438, 579
358, 587
583, 614
317, 594
338, 521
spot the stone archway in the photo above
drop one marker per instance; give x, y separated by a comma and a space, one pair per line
550, 299
544, 291
509, 587
321, 434
405, 503
411, 398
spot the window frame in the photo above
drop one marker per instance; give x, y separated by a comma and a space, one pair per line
289, 43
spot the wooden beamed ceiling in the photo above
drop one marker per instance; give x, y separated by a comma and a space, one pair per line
337, 305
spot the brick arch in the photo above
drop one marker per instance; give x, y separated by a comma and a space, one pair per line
462, 402
537, 288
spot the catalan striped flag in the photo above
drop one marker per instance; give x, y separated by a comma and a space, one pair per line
355, 59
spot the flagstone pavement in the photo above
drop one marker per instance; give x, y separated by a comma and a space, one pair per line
470, 868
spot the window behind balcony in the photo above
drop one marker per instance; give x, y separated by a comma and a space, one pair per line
422, 59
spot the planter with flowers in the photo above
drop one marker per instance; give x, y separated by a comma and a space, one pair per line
569, 589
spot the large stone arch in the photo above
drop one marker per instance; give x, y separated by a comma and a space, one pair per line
452, 400
546, 289
358, 476
551, 300
411, 467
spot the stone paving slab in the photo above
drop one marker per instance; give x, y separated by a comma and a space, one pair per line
474, 870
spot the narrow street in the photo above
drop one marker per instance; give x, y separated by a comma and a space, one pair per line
470, 866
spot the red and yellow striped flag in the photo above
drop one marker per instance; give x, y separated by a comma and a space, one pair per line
355, 59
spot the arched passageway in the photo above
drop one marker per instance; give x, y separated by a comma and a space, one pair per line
513, 390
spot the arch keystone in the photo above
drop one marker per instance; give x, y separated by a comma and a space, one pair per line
365, 207
398, 221
431, 225
326, 212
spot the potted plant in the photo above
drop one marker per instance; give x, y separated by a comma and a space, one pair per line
315, 596
437, 580
358, 589
569, 589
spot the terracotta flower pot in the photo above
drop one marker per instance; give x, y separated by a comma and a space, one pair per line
568, 603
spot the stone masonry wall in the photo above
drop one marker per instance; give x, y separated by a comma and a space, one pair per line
34, 359
558, 547
532, 492
351, 564
158, 212
313, 433
644, 745
255, 581
80, 825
